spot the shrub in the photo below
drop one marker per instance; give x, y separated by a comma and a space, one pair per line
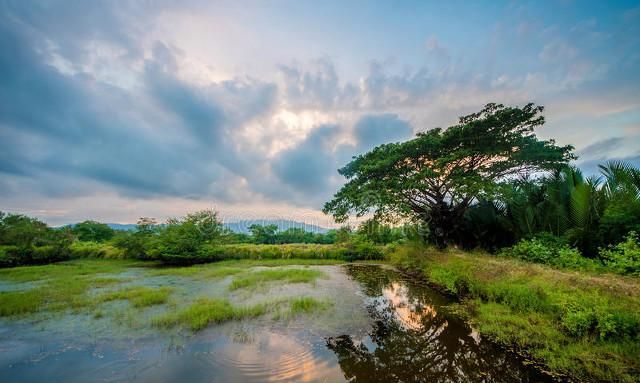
87, 250
9, 256
26, 241
550, 250
624, 257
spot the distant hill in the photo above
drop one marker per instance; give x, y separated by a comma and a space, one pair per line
242, 226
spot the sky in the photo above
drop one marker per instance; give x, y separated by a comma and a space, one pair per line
114, 110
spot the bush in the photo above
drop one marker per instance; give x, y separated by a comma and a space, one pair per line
11, 256
623, 258
94, 250
27, 241
549, 250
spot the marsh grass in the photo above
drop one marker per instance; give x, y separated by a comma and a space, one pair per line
56, 294
204, 312
63, 285
138, 296
584, 324
259, 278
301, 305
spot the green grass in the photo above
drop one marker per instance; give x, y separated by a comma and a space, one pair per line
20, 302
139, 296
258, 278
204, 312
583, 324
62, 286
306, 305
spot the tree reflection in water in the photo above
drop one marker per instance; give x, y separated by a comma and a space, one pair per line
414, 340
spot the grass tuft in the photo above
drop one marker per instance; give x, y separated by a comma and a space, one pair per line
139, 296
208, 311
258, 278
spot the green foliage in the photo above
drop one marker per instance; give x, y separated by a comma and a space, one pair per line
27, 241
92, 231
178, 238
264, 234
376, 232
435, 177
549, 250
623, 257
269, 234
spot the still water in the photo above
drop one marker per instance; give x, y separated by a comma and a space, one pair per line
381, 327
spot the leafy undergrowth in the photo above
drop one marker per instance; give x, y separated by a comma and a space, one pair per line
258, 278
583, 324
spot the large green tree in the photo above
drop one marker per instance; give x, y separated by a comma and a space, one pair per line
435, 177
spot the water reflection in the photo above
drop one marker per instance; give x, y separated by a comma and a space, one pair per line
414, 340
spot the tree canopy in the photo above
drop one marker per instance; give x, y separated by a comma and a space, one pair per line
435, 177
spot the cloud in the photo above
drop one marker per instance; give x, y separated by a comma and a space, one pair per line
374, 130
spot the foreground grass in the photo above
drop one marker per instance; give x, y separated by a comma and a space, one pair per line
258, 278
586, 325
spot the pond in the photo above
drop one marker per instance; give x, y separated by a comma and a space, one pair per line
378, 326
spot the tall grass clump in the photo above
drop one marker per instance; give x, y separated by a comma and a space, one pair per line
204, 312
